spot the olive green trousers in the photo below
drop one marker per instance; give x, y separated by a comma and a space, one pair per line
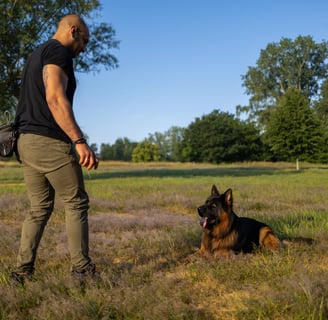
51, 168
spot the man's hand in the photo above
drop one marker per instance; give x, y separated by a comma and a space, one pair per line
88, 158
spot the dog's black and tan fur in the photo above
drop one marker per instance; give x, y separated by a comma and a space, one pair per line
225, 232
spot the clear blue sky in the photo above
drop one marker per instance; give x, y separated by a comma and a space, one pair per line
181, 59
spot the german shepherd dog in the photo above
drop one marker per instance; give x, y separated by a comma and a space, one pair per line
224, 232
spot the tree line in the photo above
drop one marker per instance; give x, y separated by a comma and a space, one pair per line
286, 117
220, 137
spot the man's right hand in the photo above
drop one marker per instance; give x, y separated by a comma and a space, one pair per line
87, 157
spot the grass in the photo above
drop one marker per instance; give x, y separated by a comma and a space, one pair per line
143, 231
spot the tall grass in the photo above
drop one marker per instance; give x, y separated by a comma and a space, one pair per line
144, 230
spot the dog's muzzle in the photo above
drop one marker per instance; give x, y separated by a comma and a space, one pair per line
201, 210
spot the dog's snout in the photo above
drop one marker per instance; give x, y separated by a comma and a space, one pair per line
201, 211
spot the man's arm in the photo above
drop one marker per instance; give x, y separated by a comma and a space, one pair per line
55, 81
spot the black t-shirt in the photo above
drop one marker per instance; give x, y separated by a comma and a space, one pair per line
33, 114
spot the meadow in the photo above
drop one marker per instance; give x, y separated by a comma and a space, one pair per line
144, 231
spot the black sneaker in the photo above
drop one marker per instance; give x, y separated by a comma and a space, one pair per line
20, 277
88, 272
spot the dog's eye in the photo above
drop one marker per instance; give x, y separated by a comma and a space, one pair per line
213, 205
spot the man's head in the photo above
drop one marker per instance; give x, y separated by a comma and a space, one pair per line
73, 33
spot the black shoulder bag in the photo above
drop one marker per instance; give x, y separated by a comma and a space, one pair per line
8, 137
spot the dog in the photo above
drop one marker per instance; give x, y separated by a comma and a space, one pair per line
225, 233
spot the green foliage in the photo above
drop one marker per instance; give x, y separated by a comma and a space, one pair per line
145, 151
220, 137
299, 63
26, 24
321, 106
293, 131
169, 143
121, 150
163, 144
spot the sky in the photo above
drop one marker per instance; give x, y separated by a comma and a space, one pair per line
182, 59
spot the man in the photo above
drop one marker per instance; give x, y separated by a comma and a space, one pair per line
52, 148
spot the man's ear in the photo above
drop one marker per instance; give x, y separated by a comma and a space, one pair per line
74, 32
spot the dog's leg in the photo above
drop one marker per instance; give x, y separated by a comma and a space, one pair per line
206, 243
268, 240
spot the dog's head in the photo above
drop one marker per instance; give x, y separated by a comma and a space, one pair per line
210, 212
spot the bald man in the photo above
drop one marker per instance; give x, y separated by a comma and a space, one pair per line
52, 148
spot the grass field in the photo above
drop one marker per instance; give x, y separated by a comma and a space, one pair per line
144, 229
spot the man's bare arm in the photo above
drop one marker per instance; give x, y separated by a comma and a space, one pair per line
55, 81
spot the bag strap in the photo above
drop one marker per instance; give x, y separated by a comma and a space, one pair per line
7, 116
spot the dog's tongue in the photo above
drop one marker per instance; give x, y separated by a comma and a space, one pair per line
203, 221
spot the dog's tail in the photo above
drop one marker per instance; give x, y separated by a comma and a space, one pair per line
298, 240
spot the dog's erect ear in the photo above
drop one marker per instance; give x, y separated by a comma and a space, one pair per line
228, 197
215, 191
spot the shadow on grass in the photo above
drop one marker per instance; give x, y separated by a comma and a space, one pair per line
190, 173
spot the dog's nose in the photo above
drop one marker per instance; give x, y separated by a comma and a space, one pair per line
201, 210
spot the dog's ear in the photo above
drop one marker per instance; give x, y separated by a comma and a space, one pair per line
228, 197
215, 191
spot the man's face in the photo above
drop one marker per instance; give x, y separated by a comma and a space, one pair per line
81, 39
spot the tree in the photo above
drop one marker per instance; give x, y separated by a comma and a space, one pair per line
294, 132
321, 106
175, 137
26, 24
145, 152
121, 150
300, 64
220, 137
168, 143
106, 152
160, 140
